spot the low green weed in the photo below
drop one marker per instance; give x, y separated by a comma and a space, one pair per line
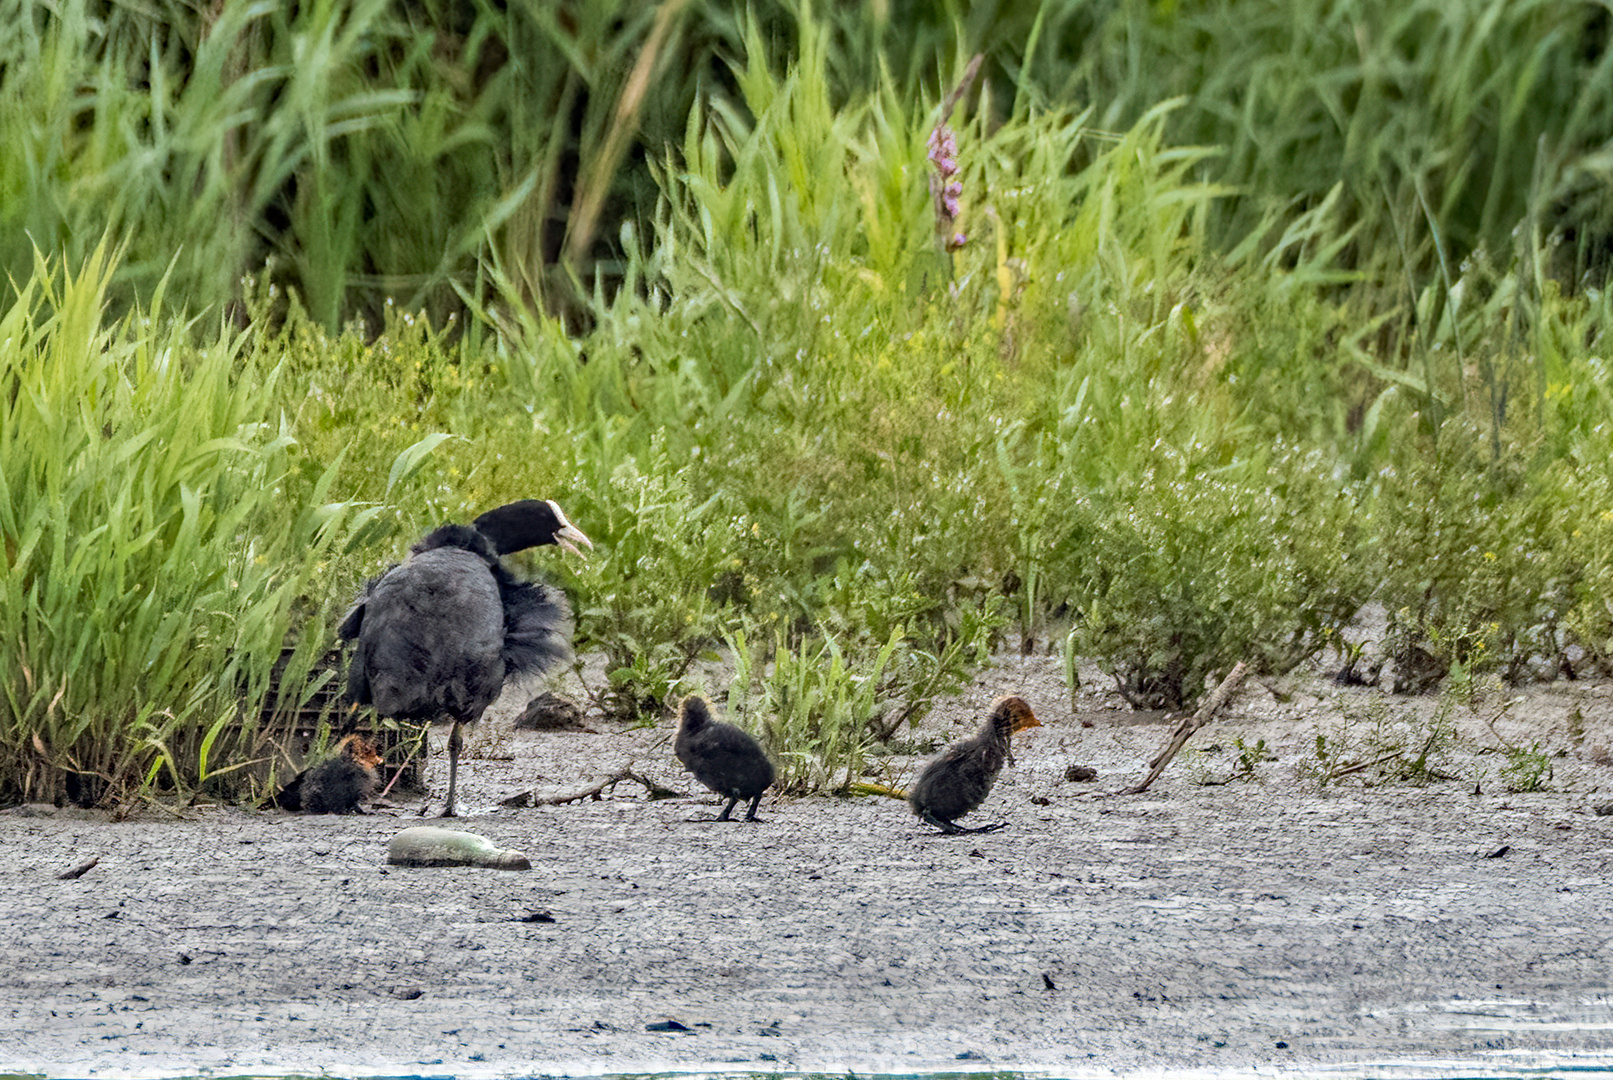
813, 707
1376, 745
823, 702
1526, 770
1249, 758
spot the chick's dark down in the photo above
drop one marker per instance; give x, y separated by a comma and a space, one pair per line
340, 784
722, 757
958, 781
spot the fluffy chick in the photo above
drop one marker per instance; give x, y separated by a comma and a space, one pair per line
340, 783
959, 780
721, 756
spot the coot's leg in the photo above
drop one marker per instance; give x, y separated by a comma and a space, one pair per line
453, 769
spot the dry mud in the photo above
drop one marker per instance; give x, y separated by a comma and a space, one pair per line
1272, 924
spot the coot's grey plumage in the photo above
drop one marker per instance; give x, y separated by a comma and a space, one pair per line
438, 634
721, 756
959, 780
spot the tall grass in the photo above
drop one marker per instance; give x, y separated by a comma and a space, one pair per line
361, 149
1159, 406
355, 150
160, 551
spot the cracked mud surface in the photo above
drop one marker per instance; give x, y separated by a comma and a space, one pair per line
1273, 923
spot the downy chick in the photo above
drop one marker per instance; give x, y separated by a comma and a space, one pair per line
340, 783
959, 780
721, 756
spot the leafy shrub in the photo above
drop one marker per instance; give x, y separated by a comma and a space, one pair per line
646, 599
1476, 572
1189, 568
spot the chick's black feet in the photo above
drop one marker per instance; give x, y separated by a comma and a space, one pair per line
952, 828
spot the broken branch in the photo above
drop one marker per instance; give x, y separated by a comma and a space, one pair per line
78, 871
531, 798
1206, 711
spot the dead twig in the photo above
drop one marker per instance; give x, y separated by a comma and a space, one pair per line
420, 747
1346, 770
969, 73
1212, 704
596, 791
78, 871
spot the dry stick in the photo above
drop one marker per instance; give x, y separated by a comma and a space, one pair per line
1346, 770
863, 787
395, 776
78, 871
1218, 697
626, 772
425, 749
962, 88
592, 188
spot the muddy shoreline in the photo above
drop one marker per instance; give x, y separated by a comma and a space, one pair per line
1269, 923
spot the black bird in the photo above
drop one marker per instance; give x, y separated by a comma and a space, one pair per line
338, 784
439, 633
960, 779
721, 756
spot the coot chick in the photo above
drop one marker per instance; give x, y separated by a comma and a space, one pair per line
721, 756
438, 634
338, 784
959, 780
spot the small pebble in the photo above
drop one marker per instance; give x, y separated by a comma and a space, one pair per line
665, 1025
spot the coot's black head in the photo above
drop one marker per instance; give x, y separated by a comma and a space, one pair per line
530, 523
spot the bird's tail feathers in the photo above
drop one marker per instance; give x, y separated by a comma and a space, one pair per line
537, 627
353, 621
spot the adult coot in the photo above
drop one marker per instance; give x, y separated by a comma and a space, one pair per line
439, 633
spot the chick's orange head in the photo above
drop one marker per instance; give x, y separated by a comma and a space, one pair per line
1016, 710
359, 749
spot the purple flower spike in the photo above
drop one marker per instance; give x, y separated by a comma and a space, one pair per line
944, 189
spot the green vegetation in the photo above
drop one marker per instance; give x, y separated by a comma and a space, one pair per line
1326, 326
